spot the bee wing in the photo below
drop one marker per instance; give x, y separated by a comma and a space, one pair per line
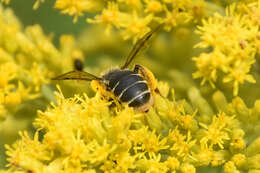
77, 75
139, 47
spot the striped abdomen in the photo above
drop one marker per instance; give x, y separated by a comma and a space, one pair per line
128, 87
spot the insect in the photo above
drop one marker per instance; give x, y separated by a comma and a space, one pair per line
135, 88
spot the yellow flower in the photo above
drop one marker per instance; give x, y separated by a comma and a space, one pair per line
147, 142
181, 144
216, 132
233, 43
77, 7
88, 134
188, 122
25, 93
12, 100
28, 153
239, 160
237, 142
239, 74
110, 16
99, 153
136, 26
152, 165
173, 163
120, 162
187, 168
208, 65
84, 130
218, 158
38, 76
230, 167
205, 156
153, 6
7, 73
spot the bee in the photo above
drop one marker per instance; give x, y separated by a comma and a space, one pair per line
134, 87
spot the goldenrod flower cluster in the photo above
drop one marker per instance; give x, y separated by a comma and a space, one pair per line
190, 128
17, 53
234, 42
27, 60
83, 134
134, 17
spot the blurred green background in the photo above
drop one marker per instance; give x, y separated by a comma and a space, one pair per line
49, 18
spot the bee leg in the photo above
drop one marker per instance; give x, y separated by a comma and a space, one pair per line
148, 76
98, 86
113, 104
